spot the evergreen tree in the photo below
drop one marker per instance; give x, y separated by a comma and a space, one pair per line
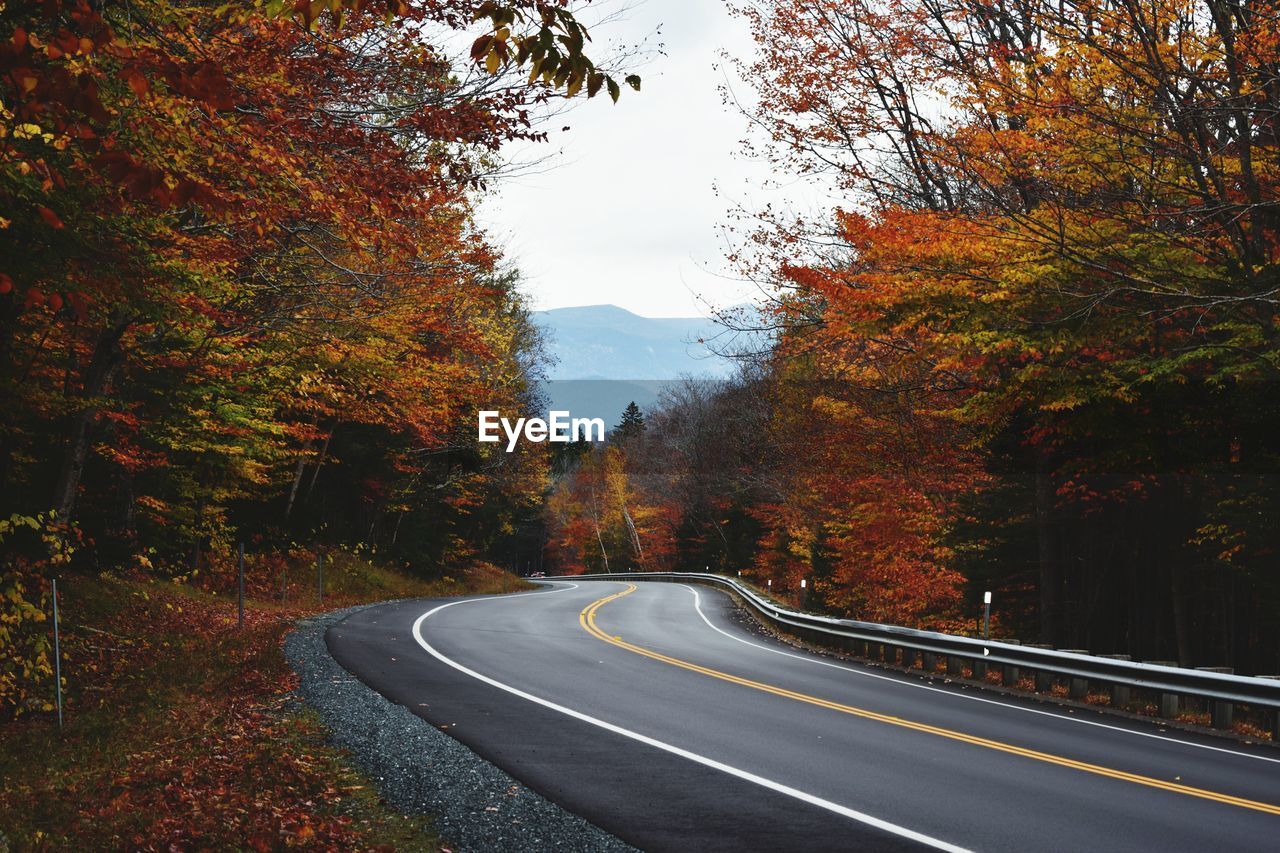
631, 425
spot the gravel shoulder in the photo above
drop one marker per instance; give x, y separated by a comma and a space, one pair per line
419, 769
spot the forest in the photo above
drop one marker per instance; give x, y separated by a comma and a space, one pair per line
244, 299
1033, 351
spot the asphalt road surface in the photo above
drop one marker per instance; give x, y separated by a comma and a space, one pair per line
650, 710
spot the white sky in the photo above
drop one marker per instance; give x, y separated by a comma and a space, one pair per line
640, 177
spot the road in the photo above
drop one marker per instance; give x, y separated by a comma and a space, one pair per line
651, 710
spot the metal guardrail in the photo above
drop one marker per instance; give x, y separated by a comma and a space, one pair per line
1223, 689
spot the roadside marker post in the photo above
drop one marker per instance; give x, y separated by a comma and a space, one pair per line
986, 614
240, 586
57, 654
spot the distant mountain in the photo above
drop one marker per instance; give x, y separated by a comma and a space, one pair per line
608, 342
606, 357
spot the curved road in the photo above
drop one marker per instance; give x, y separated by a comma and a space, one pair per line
651, 711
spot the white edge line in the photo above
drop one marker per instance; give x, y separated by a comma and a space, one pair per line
854, 670
778, 787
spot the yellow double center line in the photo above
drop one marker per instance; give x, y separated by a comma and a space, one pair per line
587, 618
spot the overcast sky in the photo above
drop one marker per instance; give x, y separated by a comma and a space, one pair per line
641, 177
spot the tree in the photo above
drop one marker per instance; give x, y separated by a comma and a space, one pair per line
632, 424
239, 254
1057, 255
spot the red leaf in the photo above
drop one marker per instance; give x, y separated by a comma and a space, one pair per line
79, 304
136, 81
6, 283
51, 219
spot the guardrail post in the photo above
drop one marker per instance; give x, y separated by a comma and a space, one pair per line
909, 656
929, 662
1009, 673
1078, 688
1275, 713
1222, 712
1121, 694
980, 668
1044, 677
1169, 702
955, 665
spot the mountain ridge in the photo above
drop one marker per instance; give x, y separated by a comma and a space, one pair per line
605, 341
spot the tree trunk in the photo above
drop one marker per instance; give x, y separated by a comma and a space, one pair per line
1181, 619
297, 481
102, 368
635, 535
1050, 567
324, 452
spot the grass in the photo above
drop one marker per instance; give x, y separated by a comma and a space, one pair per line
181, 732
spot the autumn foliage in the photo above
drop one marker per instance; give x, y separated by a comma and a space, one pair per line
1049, 302
1034, 350
242, 295
184, 730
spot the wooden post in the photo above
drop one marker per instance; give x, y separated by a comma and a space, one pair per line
1044, 678
57, 653
1169, 702
1121, 694
1222, 712
1010, 673
1275, 713
1078, 688
240, 588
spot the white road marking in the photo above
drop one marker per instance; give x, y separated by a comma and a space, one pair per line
778, 787
697, 604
